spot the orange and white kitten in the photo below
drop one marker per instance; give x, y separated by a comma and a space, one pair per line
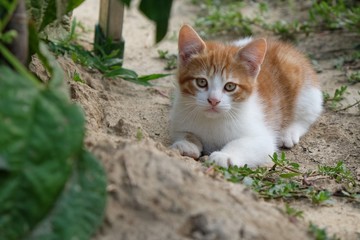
238, 102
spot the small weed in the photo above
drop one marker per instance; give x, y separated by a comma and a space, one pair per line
356, 103
320, 233
334, 15
336, 98
171, 59
285, 180
288, 30
225, 17
77, 78
139, 135
163, 54
292, 212
339, 173
354, 77
228, 18
321, 197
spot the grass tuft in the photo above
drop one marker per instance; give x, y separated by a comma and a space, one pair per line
320, 233
171, 59
285, 180
225, 17
108, 64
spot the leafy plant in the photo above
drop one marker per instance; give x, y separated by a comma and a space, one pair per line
171, 59
287, 30
225, 19
336, 98
64, 181
356, 103
321, 197
320, 233
219, 18
335, 15
132, 76
338, 172
77, 78
108, 64
292, 212
44, 12
354, 77
285, 180
50, 186
139, 135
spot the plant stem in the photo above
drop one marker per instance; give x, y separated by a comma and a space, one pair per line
10, 10
18, 66
350, 106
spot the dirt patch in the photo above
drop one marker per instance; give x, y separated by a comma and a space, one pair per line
153, 193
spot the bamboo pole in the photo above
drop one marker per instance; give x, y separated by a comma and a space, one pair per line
108, 32
18, 22
111, 19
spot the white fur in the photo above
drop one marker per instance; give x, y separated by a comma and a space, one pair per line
307, 109
242, 42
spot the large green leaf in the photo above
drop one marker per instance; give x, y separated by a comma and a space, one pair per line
40, 136
85, 196
159, 12
45, 176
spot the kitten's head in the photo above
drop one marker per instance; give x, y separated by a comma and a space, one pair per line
215, 76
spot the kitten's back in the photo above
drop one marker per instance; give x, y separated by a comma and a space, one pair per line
284, 73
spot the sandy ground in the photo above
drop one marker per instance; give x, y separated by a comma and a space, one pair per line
156, 194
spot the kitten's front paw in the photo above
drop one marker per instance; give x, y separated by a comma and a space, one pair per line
187, 148
220, 158
290, 138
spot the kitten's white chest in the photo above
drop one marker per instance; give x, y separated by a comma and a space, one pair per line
215, 133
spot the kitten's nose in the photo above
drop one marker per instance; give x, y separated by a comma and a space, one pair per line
213, 101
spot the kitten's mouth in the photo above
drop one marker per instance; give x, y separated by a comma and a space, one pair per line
212, 110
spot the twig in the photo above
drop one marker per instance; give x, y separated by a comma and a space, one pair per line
347, 107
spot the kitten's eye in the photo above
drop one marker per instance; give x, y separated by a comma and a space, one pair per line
230, 87
201, 82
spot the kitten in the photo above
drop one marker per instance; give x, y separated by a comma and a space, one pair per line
239, 102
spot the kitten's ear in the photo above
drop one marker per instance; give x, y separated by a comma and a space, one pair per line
189, 43
253, 55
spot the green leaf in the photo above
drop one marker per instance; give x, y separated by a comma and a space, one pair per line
72, 4
80, 206
159, 12
321, 197
44, 12
8, 36
150, 77
295, 165
41, 134
7, 9
49, 15
132, 76
126, 2
123, 73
